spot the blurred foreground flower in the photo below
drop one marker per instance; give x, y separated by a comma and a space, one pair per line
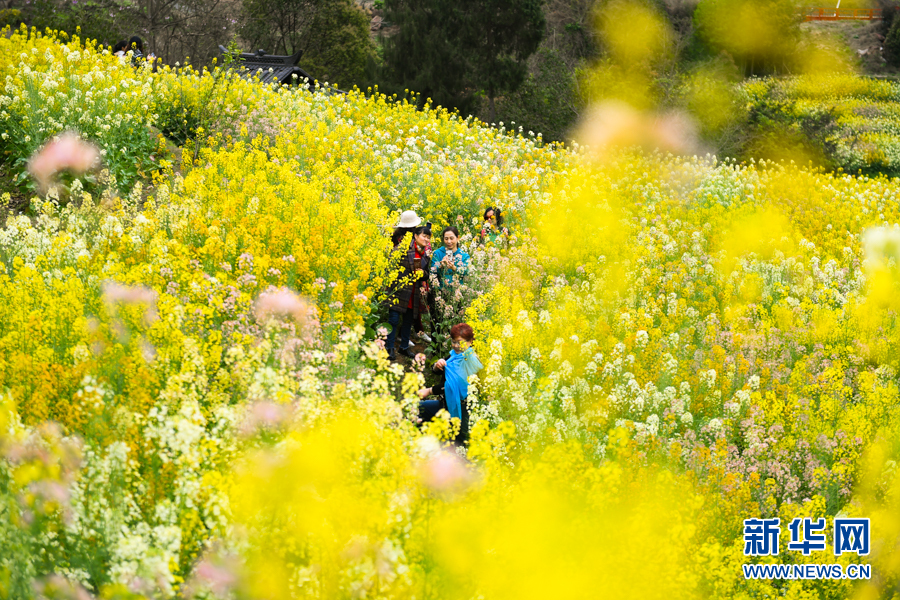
67, 151
57, 587
218, 573
877, 496
282, 302
441, 469
881, 246
265, 416
42, 462
444, 472
131, 294
116, 293
614, 124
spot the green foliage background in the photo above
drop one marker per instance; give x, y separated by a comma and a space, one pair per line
332, 34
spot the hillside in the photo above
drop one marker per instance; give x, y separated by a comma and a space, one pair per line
196, 400
864, 41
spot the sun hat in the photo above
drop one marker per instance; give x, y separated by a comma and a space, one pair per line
409, 218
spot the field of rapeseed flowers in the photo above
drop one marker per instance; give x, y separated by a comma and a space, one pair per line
845, 121
193, 403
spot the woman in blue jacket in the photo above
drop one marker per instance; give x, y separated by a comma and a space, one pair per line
449, 262
453, 385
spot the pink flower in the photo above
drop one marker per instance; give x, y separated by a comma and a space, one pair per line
282, 302
131, 294
218, 578
444, 471
57, 586
612, 124
148, 351
67, 151
265, 415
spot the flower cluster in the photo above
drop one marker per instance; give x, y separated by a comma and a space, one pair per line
191, 406
51, 86
853, 120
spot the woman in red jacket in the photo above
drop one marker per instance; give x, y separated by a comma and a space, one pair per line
407, 299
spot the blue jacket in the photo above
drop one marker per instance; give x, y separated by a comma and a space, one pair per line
446, 276
460, 365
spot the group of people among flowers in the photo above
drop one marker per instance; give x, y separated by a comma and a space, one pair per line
423, 274
136, 46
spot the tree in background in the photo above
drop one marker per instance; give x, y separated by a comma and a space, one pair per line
889, 26
453, 50
98, 19
758, 34
173, 30
570, 33
423, 54
176, 30
278, 26
497, 37
892, 44
548, 101
889, 10
332, 34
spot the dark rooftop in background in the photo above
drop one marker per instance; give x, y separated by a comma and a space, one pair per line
283, 68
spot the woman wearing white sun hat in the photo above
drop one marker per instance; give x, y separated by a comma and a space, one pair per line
409, 220
405, 300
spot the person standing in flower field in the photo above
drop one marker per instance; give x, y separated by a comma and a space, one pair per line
493, 232
407, 300
398, 235
449, 262
136, 45
453, 386
401, 230
419, 328
448, 266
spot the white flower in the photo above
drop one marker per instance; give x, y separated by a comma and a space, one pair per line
754, 382
881, 245
641, 338
707, 378
670, 363
653, 424
524, 320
